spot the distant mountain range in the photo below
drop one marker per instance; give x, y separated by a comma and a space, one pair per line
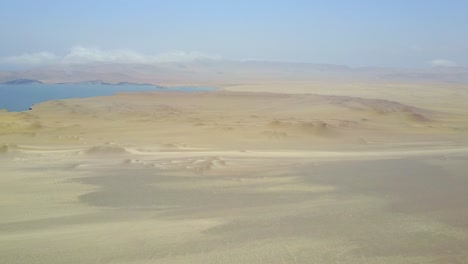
22, 81
97, 82
225, 72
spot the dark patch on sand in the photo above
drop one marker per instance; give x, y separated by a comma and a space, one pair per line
380, 208
144, 189
410, 185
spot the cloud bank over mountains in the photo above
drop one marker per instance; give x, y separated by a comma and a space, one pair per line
81, 54
443, 63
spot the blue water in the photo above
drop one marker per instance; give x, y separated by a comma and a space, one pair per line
21, 97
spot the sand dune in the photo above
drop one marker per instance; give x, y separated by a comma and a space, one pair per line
105, 150
236, 177
6, 148
233, 119
254, 207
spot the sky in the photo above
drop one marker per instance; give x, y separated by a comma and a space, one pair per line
357, 33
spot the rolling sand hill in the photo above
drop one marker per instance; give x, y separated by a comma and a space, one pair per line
233, 120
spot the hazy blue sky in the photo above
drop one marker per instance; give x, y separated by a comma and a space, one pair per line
403, 33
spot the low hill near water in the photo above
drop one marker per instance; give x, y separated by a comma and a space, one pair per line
226, 119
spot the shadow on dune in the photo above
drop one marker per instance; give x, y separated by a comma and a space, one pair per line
411, 185
146, 189
381, 208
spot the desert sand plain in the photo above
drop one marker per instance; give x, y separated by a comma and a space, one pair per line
284, 172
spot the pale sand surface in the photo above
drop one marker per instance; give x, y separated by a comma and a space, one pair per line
236, 177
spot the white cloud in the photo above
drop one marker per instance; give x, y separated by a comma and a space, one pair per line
80, 54
252, 59
443, 63
32, 58
182, 56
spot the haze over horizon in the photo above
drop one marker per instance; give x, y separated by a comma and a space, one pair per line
359, 34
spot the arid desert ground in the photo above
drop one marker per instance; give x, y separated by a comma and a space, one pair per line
280, 172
